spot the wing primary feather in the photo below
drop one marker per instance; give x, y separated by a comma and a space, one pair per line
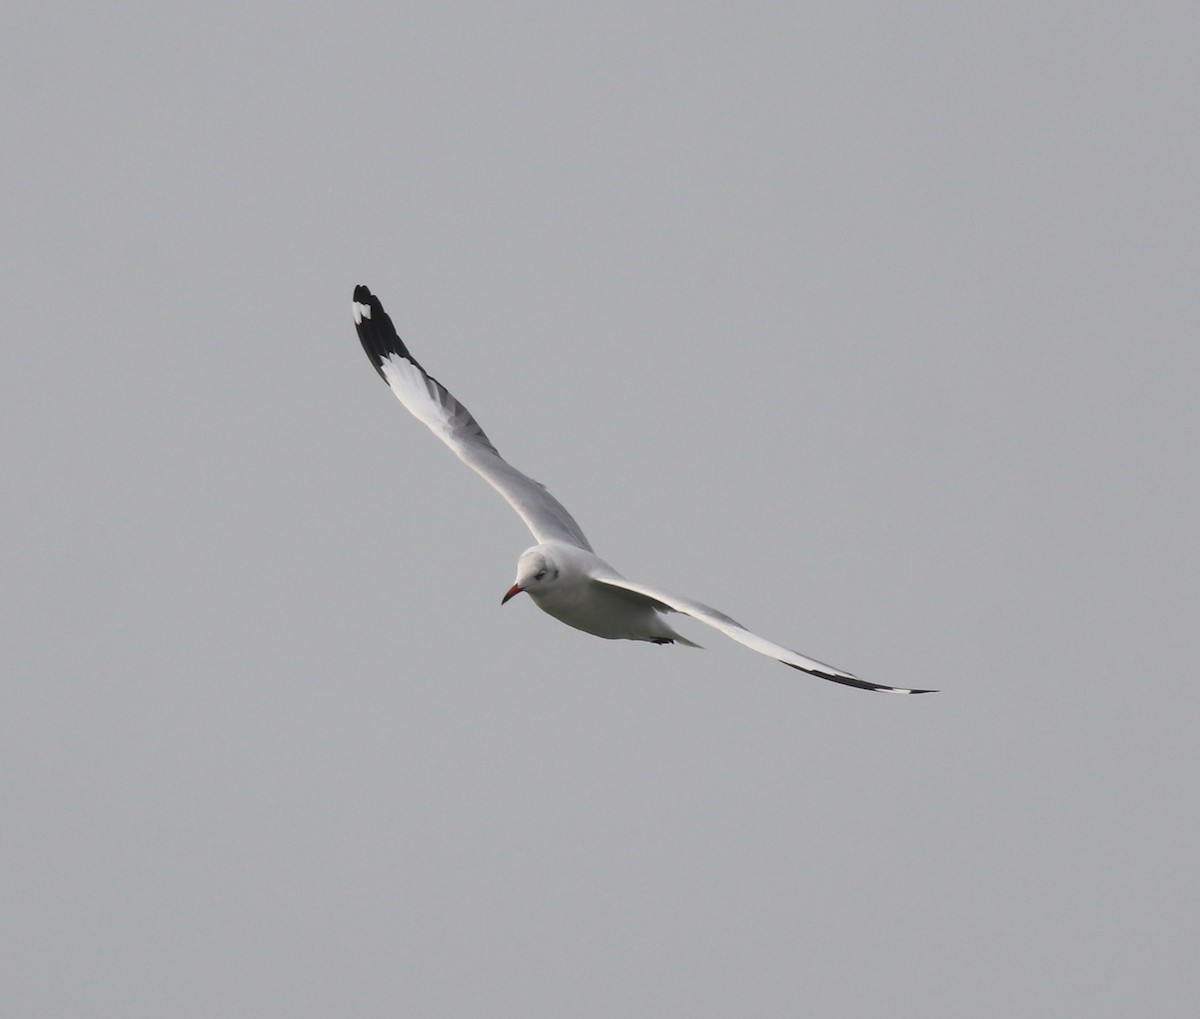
381, 342
377, 329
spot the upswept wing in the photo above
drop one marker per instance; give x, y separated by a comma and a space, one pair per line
667, 602
430, 402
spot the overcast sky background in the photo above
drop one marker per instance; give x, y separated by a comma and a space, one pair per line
874, 326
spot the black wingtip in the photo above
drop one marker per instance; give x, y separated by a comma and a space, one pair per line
375, 330
854, 681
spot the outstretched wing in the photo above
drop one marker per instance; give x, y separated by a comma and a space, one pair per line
666, 602
430, 402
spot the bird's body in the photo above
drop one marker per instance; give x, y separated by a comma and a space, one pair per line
561, 573
576, 597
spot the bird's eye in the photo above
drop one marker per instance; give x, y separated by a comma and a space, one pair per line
539, 575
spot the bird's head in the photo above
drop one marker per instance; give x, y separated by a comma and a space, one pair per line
536, 571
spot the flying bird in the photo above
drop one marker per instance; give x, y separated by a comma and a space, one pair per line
561, 573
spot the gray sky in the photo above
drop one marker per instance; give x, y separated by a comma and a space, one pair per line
874, 327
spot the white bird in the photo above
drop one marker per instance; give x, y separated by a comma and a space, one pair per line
561, 573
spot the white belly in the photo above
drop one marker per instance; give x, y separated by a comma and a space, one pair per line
604, 612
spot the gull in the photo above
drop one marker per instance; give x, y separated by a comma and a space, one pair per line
561, 573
